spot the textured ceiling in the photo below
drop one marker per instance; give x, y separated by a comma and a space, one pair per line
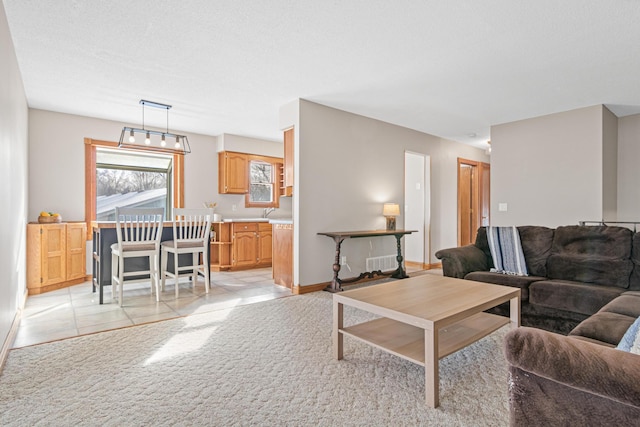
449, 68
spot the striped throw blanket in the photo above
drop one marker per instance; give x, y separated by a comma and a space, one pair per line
506, 251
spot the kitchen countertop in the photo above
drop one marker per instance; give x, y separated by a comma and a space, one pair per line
245, 220
281, 221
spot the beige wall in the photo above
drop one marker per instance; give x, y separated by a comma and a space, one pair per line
609, 165
13, 183
628, 168
56, 161
549, 170
347, 167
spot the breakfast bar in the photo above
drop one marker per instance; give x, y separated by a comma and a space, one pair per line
104, 235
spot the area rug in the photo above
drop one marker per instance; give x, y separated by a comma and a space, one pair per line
264, 364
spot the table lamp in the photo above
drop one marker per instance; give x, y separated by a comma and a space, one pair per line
391, 211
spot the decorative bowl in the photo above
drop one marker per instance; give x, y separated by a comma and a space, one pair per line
49, 219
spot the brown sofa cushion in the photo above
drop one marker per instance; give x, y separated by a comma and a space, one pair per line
599, 255
572, 296
612, 321
604, 326
536, 246
521, 282
634, 280
557, 380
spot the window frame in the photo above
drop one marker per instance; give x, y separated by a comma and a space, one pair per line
275, 163
90, 178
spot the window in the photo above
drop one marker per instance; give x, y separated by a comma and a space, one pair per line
131, 179
262, 188
174, 174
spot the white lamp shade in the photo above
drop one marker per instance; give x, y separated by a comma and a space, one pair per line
391, 209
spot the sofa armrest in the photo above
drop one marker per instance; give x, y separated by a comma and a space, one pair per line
592, 368
458, 262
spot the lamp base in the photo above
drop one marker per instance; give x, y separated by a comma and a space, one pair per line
391, 223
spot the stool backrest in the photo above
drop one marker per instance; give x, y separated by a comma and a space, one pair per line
192, 225
139, 226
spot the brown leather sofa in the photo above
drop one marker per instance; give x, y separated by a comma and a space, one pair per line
580, 379
573, 271
583, 288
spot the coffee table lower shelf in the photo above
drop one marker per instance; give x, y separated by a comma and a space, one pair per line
407, 341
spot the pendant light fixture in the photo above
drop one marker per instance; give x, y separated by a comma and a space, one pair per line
181, 145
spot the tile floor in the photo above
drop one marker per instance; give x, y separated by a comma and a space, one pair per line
75, 311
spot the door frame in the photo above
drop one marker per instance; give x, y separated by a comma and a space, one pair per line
480, 196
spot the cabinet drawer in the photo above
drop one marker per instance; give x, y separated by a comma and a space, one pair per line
245, 226
264, 226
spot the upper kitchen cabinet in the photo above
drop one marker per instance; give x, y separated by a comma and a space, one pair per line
233, 173
288, 162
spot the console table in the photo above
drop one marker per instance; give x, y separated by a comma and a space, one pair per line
339, 236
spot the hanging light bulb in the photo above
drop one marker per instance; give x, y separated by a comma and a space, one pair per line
147, 140
132, 138
163, 142
177, 142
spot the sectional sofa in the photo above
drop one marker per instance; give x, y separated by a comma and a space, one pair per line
583, 284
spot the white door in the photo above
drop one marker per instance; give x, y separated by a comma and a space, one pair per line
417, 187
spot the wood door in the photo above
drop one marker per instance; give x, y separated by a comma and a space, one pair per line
283, 255
76, 250
473, 199
265, 246
245, 249
233, 173
53, 255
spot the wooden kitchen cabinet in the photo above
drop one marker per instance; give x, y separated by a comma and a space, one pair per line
233, 173
265, 244
245, 244
288, 162
56, 256
220, 246
283, 255
241, 245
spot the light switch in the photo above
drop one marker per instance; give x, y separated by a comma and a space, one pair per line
502, 207
418, 185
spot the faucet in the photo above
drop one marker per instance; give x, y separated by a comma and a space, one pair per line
267, 211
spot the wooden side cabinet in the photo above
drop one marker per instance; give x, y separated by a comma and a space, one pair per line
56, 256
233, 173
283, 255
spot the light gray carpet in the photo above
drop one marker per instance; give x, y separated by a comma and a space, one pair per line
262, 364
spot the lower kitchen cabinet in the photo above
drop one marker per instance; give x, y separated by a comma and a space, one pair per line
241, 245
56, 255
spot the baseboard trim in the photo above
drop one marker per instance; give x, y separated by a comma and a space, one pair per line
299, 290
13, 331
422, 266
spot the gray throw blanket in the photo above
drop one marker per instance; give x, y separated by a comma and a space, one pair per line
506, 251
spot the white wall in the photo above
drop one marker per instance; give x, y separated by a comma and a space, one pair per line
13, 183
549, 169
347, 167
628, 170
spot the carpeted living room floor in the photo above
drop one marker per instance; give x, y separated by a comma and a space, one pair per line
267, 363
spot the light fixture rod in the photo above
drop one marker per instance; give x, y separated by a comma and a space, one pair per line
154, 104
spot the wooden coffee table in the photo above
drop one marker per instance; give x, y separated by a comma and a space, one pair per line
424, 318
